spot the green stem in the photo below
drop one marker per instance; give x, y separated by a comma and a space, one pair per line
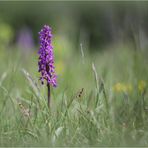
48, 88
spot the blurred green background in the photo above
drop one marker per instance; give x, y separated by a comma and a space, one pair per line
95, 24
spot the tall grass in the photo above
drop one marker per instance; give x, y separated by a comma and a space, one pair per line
87, 108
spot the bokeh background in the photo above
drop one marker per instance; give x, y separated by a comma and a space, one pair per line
95, 24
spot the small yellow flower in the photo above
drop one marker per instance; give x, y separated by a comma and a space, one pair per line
141, 86
120, 87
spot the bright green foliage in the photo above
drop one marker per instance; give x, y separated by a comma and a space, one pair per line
5, 35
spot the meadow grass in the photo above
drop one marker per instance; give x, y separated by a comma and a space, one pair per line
101, 100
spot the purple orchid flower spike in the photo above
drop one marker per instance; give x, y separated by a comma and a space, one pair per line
46, 59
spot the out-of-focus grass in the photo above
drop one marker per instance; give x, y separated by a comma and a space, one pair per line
119, 118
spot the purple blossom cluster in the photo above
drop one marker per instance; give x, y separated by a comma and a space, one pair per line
46, 57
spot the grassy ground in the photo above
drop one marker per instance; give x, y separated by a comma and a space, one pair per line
101, 100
